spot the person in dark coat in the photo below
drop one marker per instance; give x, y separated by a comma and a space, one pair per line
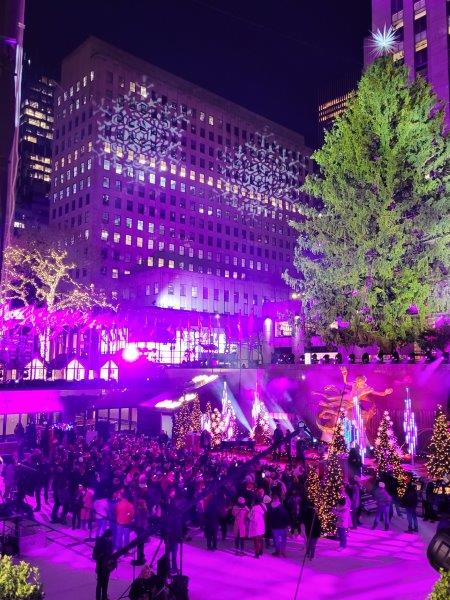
311, 523
279, 521
409, 501
211, 517
429, 513
103, 554
354, 462
172, 528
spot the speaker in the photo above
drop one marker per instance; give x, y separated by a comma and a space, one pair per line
149, 422
438, 551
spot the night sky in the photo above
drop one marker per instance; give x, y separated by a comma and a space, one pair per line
271, 56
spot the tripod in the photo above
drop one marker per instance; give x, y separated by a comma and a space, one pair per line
125, 594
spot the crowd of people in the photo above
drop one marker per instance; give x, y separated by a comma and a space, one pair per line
130, 487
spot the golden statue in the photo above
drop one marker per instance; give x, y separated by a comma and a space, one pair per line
354, 391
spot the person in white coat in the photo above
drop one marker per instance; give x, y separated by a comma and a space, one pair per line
257, 526
343, 520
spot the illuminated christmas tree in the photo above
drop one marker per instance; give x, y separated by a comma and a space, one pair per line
196, 415
438, 458
387, 452
338, 445
331, 493
217, 430
182, 425
228, 426
206, 417
261, 418
313, 487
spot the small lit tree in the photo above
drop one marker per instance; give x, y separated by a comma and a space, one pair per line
331, 492
338, 445
438, 459
387, 452
196, 415
182, 425
216, 427
261, 419
313, 487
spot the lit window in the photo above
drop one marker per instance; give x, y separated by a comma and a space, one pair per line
151, 228
171, 264
192, 175
211, 120
140, 225
173, 169
139, 242
115, 273
173, 184
106, 165
92, 75
149, 261
194, 291
116, 238
202, 116
107, 147
160, 262
128, 240
160, 245
162, 181
163, 166
143, 91
132, 86
150, 244
151, 177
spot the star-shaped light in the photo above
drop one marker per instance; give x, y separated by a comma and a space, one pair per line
383, 41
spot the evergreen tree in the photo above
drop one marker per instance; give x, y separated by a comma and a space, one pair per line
331, 492
338, 445
216, 427
182, 425
377, 241
438, 459
313, 487
387, 452
196, 415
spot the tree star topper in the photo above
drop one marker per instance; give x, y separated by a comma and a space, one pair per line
383, 41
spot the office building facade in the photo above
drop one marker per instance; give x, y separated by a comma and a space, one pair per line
155, 194
423, 39
35, 151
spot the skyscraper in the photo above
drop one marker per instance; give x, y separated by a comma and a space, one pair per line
423, 34
35, 151
333, 100
168, 195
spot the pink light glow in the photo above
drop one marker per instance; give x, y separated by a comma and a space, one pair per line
130, 354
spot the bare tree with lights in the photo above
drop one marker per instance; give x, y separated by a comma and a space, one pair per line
41, 282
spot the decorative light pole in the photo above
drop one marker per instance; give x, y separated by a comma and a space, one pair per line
410, 427
360, 437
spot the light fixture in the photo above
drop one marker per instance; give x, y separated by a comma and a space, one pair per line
130, 354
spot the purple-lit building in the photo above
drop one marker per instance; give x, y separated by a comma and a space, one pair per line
165, 230
423, 34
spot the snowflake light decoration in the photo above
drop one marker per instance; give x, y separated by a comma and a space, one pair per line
139, 129
260, 171
383, 41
